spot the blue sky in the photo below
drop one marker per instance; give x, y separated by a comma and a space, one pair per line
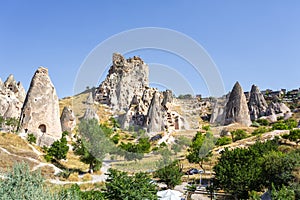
250, 41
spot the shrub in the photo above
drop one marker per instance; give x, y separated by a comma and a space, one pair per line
239, 134
206, 128
260, 130
116, 139
223, 141
21, 183
263, 122
293, 136
58, 149
31, 138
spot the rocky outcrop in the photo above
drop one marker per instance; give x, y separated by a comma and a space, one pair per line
40, 113
126, 90
90, 99
67, 119
236, 107
89, 114
126, 78
277, 108
12, 96
257, 104
155, 116
219, 110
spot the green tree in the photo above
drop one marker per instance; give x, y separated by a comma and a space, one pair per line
240, 171
170, 174
58, 150
136, 151
121, 186
92, 144
200, 149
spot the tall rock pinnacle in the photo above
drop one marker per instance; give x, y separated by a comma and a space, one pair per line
126, 78
40, 112
236, 107
257, 104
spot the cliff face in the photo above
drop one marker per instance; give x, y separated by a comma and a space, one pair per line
40, 112
236, 107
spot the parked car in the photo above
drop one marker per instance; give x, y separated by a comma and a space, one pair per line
192, 171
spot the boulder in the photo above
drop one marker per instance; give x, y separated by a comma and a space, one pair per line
67, 119
237, 108
40, 112
257, 104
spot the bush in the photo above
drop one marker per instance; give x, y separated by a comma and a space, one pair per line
116, 139
58, 149
260, 130
239, 134
31, 138
223, 141
293, 136
206, 128
21, 183
285, 125
263, 122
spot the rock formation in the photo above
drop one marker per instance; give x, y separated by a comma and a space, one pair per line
126, 78
219, 110
257, 104
12, 96
67, 119
277, 108
155, 116
89, 114
236, 107
126, 91
40, 112
90, 99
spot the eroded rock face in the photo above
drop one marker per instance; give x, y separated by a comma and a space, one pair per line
219, 110
126, 89
68, 119
12, 96
236, 107
89, 114
126, 78
277, 108
40, 113
156, 115
257, 104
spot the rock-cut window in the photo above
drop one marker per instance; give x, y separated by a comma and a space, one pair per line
42, 128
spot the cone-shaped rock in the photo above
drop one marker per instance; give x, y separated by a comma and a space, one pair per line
90, 99
155, 118
89, 114
67, 119
236, 107
257, 104
40, 113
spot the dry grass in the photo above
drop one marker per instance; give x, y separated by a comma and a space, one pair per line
87, 177
73, 177
19, 150
73, 162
